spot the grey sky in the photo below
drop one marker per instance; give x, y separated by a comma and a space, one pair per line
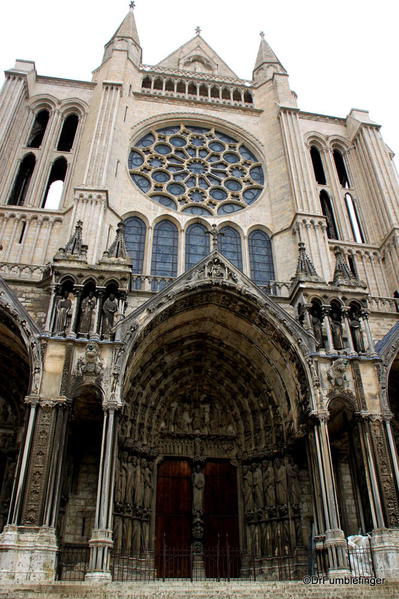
339, 54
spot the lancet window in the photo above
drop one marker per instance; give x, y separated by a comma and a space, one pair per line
197, 244
230, 245
22, 180
135, 234
164, 249
261, 257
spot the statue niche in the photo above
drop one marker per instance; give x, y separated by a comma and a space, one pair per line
87, 311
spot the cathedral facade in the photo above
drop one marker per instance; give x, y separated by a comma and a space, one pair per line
198, 323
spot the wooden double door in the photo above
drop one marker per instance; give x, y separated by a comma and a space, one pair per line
174, 519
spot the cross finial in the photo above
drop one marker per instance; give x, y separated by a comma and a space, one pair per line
132, 4
262, 34
214, 233
198, 30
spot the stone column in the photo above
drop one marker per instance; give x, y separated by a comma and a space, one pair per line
28, 543
345, 314
101, 540
51, 309
370, 472
326, 313
17, 494
335, 539
54, 482
366, 327
392, 448
198, 481
385, 476
385, 541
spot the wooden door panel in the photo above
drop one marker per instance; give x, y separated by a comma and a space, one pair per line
221, 539
173, 518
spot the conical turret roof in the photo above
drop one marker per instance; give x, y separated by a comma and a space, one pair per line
128, 27
266, 56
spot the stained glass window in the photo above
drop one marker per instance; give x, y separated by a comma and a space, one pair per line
181, 166
164, 250
260, 257
230, 245
135, 241
197, 244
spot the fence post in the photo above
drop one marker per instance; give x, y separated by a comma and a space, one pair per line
228, 557
218, 559
163, 556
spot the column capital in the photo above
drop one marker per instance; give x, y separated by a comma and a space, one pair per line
366, 416
111, 404
61, 400
32, 400
319, 415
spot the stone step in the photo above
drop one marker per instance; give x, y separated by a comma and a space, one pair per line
197, 590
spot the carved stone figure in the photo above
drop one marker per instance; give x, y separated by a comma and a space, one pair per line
247, 487
257, 481
316, 321
64, 306
356, 330
86, 315
336, 374
136, 536
293, 482
90, 365
198, 489
336, 329
138, 487
147, 482
130, 464
280, 482
110, 308
268, 484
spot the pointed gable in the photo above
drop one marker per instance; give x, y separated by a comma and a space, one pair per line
196, 55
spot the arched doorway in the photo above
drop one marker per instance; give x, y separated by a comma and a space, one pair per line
211, 452
349, 468
79, 482
14, 386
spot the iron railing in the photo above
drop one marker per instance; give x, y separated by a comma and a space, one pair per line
360, 559
216, 563
73, 562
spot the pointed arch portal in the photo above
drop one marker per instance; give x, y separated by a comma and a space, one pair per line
210, 449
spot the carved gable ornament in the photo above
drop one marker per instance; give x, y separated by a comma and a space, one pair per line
336, 374
214, 269
90, 365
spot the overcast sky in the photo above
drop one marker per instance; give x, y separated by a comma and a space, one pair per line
339, 54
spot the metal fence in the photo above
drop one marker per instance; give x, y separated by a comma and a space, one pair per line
360, 559
73, 562
216, 563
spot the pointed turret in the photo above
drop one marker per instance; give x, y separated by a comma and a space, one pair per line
125, 38
128, 27
267, 62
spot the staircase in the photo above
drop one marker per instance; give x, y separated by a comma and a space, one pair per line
198, 590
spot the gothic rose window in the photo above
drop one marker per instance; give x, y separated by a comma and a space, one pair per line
196, 170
